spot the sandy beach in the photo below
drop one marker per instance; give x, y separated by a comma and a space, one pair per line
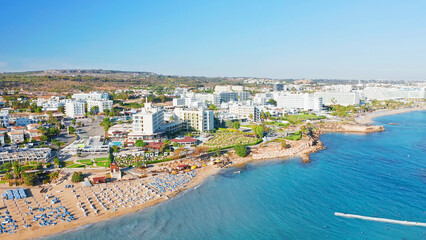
368, 119
70, 198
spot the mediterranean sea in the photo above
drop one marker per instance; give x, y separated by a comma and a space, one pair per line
379, 175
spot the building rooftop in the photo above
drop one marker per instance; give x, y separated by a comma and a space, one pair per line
185, 140
16, 132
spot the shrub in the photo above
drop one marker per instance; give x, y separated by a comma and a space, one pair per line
240, 150
77, 177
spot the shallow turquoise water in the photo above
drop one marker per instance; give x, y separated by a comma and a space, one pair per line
381, 174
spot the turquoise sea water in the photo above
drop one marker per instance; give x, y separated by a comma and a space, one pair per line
381, 174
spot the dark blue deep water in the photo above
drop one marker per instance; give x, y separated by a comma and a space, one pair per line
380, 174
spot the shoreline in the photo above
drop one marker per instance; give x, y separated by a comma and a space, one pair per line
369, 118
273, 150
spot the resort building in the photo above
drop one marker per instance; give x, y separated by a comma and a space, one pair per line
228, 88
147, 124
382, 93
306, 102
17, 136
25, 155
245, 112
190, 102
90, 96
75, 109
4, 118
196, 119
340, 98
101, 104
33, 126
34, 134
24, 121
50, 103
92, 145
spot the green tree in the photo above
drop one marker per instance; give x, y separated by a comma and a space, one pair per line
236, 125
106, 123
43, 138
77, 177
29, 179
57, 162
212, 107
272, 102
140, 143
71, 130
61, 109
228, 123
6, 139
73, 122
16, 169
258, 131
53, 175
8, 176
240, 150
94, 110
262, 115
39, 166
7, 166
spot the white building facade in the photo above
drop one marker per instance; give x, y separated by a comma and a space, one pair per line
4, 118
305, 101
101, 104
340, 98
75, 109
197, 119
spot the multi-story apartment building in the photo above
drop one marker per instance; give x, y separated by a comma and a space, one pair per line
101, 104
381, 93
340, 98
91, 96
147, 124
306, 102
17, 136
197, 119
4, 118
245, 112
75, 109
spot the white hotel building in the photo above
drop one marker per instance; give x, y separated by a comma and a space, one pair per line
4, 118
90, 96
305, 102
198, 119
75, 109
149, 126
340, 98
101, 104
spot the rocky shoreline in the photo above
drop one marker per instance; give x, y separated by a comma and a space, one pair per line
303, 148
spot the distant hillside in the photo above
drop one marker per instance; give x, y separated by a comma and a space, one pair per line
87, 80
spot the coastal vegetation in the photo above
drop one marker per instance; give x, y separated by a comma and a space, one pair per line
77, 177
294, 136
240, 150
223, 139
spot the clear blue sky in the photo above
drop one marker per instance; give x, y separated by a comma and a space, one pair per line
279, 39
